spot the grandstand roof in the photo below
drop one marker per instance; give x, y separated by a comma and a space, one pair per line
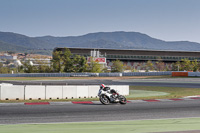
134, 52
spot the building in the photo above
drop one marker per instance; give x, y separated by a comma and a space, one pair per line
137, 58
8, 57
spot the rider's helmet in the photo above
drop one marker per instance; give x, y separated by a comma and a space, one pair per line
102, 86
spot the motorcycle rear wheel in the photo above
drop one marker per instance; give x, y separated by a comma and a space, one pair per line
122, 100
104, 100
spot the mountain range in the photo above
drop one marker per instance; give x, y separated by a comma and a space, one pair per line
114, 40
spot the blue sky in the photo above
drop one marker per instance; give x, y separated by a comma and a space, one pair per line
170, 20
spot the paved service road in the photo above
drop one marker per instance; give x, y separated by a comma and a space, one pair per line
98, 112
171, 82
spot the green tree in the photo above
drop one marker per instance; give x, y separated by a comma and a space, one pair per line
1, 65
20, 69
67, 61
43, 66
186, 64
149, 65
166, 68
4, 70
117, 66
29, 68
79, 63
63, 61
195, 65
178, 66
160, 65
57, 61
94, 67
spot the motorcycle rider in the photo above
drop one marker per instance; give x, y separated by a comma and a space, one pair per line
112, 91
102, 86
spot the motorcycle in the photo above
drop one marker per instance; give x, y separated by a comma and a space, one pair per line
107, 96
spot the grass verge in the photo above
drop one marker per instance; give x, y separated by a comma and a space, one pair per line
173, 92
137, 126
136, 93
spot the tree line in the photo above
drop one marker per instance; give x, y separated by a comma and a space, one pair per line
183, 65
64, 61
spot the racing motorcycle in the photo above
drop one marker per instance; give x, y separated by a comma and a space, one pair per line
107, 96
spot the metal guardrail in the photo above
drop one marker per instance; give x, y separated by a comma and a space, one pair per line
147, 73
193, 74
86, 74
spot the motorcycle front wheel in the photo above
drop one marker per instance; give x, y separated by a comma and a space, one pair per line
104, 100
122, 100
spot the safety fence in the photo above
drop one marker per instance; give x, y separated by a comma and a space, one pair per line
36, 92
86, 74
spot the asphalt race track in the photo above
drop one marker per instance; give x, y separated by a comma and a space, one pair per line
12, 114
177, 82
97, 112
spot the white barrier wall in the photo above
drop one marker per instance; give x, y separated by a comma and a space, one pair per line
54, 92
82, 91
34, 92
12, 92
122, 89
93, 91
69, 92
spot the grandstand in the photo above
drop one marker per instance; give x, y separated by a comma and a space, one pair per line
137, 58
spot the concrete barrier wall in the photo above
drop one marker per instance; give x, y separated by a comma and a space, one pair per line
54, 92
69, 92
122, 89
82, 91
16, 92
12, 92
35, 92
93, 91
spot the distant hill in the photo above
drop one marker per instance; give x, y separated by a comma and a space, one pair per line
115, 40
11, 47
22, 40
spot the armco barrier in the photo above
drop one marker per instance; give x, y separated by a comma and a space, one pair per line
54, 92
31, 92
12, 92
51, 75
34, 92
146, 73
193, 74
86, 74
110, 74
